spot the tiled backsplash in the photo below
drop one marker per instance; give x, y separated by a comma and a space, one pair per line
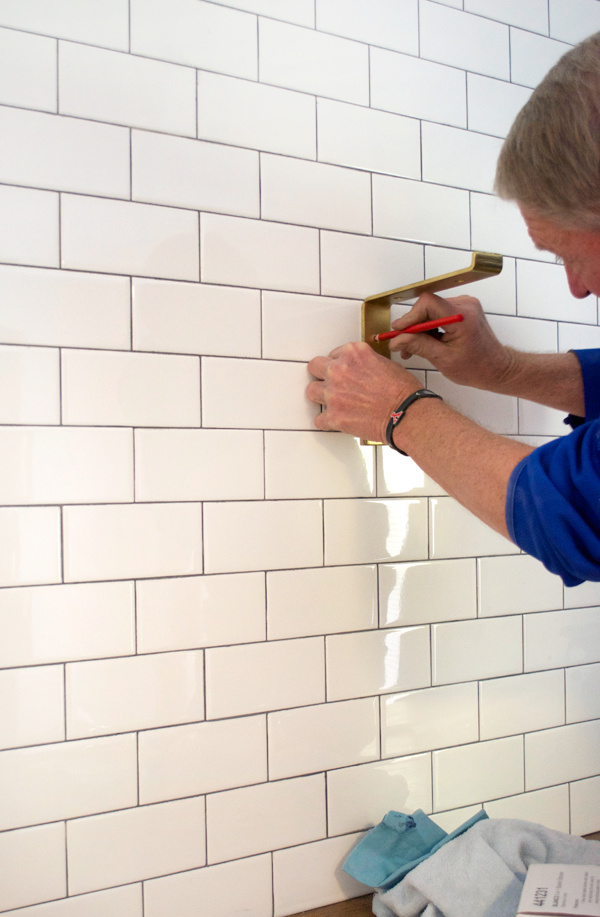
230, 643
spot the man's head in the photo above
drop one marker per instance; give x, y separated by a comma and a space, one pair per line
550, 164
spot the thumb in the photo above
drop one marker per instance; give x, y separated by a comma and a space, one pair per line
424, 345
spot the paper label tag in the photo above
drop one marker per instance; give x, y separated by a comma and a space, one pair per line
561, 889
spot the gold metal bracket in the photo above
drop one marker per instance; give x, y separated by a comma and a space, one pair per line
376, 309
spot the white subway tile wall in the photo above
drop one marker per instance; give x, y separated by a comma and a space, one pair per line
229, 643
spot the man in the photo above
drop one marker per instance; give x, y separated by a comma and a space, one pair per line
547, 500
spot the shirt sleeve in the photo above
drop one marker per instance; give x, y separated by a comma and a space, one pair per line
553, 504
590, 368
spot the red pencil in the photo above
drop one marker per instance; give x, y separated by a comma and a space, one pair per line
423, 326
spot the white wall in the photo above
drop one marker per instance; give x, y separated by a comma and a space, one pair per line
231, 643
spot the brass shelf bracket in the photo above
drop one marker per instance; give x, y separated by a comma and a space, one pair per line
376, 309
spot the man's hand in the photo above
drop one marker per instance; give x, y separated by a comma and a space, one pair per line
468, 352
358, 389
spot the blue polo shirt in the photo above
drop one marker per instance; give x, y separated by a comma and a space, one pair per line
553, 497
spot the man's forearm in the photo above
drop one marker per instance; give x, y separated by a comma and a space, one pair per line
553, 379
470, 463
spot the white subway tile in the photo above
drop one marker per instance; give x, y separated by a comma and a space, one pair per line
341, 599
562, 754
498, 294
30, 550
322, 737
130, 389
313, 62
584, 798
515, 585
543, 292
253, 253
27, 70
29, 385
202, 758
31, 706
248, 883
129, 238
42, 624
393, 25
67, 780
362, 266
548, 807
65, 154
120, 542
269, 816
28, 226
195, 33
193, 174
176, 317
252, 115
455, 532
301, 12
497, 226
574, 21
419, 88
246, 394
532, 16
121, 847
189, 612
363, 138
450, 821
33, 865
322, 862
305, 465
497, 413
561, 638
577, 337
493, 104
522, 703
585, 594
420, 212
292, 675
275, 535
531, 56
539, 420
198, 465
471, 42
377, 662
582, 683
475, 773
426, 591
403, 478
469, 650
314, 194
105, 24
537, 335
297, 327
138, 692
459, 158
150, 93
359, 797
369, 531
62, 465
61, 308
433, 718
125, 901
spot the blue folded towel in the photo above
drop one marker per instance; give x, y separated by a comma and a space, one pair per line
398, 844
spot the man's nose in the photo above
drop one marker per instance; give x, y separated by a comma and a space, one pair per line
578, 289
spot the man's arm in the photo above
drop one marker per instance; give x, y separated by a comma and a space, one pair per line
470, 354
359, 390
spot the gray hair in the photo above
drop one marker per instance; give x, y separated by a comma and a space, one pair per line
550, 160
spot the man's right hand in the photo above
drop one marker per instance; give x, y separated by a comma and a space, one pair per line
468, 352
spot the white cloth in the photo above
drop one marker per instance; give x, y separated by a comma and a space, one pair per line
481, 873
